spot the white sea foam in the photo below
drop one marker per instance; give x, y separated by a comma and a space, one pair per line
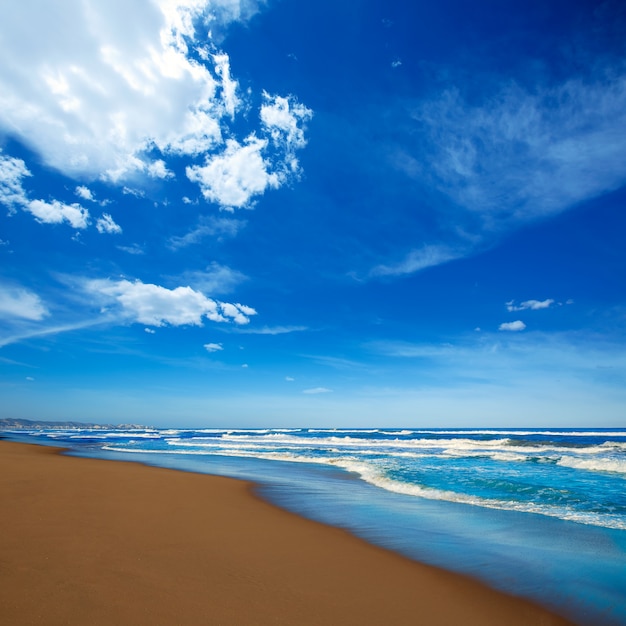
344, 438
343, 430
506, 457
595, 465
129, 434
499, 450
143, 451
396, 432
525, 433
373, 476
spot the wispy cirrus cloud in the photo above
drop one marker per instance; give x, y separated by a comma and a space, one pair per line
207, 226
214, 279
511, 359
517, 155
134, 249
417, 260
522, 155
273, 330
18, 302
16, 336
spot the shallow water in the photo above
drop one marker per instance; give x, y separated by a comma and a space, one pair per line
540, 514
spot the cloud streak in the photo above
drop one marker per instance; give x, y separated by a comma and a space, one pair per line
316, 391
416, 261
273, 330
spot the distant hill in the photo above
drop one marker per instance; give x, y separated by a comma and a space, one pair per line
18, 424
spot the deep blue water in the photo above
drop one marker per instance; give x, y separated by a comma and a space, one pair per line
539, 513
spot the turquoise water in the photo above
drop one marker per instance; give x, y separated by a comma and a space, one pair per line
537, 512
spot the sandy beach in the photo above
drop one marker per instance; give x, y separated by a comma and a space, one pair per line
85, 541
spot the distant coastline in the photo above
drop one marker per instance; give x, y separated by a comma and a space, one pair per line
23, 424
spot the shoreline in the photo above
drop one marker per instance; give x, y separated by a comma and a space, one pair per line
94, 541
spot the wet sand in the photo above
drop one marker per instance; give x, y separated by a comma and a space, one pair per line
89, 541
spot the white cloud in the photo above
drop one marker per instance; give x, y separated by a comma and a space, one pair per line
99, 96
284, 119
237, 312
21, 303
316, 390
85, 193
105, 224
137, 193
158, 169
515, 326
532, 305
12, 194
232, 178
242, 171
417, 260
90, 91
245, 366
289, 379
158, 306
56, 212
229, 86
150, 331
12, 171
213, 347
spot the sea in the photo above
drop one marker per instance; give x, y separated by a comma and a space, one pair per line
539, 513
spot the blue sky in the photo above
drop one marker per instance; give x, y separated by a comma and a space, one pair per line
247, 213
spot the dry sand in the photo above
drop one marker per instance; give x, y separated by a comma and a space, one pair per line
90, 542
